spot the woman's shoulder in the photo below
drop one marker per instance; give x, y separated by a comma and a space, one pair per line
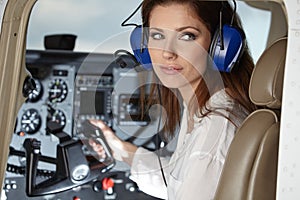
214, 132
222, 104
220, 99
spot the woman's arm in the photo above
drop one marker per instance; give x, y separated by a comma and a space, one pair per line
122, 151
145, 167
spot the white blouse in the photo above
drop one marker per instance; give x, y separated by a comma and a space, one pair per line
194, 168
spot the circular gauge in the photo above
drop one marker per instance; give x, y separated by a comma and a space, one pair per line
58, 90
57, 116
32, 88
30, 121
37, 92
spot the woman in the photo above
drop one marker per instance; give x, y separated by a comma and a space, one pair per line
214, 103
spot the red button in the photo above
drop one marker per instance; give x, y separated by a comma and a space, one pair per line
107, 183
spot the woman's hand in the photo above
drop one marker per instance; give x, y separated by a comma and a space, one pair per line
121, 150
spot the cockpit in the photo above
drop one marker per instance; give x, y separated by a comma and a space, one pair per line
64, 72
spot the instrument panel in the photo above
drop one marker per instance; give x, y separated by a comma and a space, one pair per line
69, 88
52, 100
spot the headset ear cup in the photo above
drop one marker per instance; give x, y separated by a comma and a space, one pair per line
234, 44
138, 42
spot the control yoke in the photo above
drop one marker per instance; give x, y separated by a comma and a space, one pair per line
73, 168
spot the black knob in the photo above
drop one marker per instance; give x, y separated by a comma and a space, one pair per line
97, 186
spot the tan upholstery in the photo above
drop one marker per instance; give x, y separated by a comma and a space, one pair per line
267, 78
250, 170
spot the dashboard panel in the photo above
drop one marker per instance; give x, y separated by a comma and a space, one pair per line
70, 88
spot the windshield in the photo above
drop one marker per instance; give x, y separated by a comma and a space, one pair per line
97, 24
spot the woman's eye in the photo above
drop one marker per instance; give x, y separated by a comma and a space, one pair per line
187, 36
157, 36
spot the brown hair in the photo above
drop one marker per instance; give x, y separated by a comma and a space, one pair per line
236, 82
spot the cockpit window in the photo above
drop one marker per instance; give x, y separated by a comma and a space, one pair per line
97, 24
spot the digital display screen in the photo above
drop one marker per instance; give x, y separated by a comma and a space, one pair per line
92, 102
131, 112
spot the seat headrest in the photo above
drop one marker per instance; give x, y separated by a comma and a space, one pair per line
267, 77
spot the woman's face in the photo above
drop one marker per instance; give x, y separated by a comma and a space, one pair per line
178, 45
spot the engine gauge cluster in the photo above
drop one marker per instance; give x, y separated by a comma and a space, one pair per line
48, 99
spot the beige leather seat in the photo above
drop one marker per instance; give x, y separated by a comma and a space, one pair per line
250, 170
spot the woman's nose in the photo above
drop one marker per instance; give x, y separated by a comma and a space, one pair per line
169, 55
169, 50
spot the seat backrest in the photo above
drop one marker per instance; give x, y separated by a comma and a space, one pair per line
250, 169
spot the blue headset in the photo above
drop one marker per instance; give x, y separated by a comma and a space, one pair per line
138, 42
225, 50
226, 47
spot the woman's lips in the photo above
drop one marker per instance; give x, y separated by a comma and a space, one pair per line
171, 69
